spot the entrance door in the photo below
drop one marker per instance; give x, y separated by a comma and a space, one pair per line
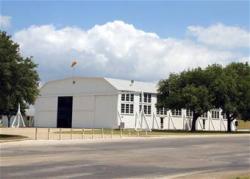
64, 112
162, 122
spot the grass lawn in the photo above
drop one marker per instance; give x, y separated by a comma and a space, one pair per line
243, 124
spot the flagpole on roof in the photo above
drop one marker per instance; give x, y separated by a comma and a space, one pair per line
73, 64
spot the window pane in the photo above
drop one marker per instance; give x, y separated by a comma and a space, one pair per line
149, 98
140, 97
131, 108
165, 111
132, 97
204, 115
123, 97
127, 108
145, 97
161, 111
123, 108
145, 109
140, 108
149, 109
127, 97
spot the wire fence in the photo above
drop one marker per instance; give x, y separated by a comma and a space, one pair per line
73, 133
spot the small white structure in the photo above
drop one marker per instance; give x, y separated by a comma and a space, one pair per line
95, 102
18, 119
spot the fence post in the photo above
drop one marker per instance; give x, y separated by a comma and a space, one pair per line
36, 133
60, 134
92, 133
48, 132
83, 136
102, 133
120, 133
71, 133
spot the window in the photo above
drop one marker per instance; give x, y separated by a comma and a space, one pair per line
146, 109
215, 114
146, 106
127, 97
189, 113
146, 98
162, 122
149, 98
123, 108
127, 105
131, 97
127, 108
161, 111
149, 109
204, 115
123, 97
131, 109
176, 112
204, 124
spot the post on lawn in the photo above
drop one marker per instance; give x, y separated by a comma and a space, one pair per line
48, 132
36, 134
60, 134
83, 136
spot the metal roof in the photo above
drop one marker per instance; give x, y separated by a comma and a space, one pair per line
131, 85
119, 84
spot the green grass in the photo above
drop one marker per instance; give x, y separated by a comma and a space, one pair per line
243, 124
241, 177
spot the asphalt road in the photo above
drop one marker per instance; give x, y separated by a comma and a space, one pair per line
127, 158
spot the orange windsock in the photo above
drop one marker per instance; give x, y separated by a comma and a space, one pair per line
73, 63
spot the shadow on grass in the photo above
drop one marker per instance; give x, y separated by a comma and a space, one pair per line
11, 137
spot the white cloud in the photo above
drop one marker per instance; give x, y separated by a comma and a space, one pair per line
115, 49
5, 22
221, 36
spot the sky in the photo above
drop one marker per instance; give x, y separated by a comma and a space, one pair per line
140, 40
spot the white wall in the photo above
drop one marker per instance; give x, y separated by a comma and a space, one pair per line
170, 122
106, 113
136, 120
97, 104
46, 112
94, 103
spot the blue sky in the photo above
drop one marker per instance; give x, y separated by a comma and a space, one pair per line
166, 18
142, 40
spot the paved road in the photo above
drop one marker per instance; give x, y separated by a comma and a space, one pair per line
129, 158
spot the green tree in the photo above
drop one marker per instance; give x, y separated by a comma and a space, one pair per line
231, 91
18, 78
189, 90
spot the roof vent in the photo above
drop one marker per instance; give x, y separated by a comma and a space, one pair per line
132, 82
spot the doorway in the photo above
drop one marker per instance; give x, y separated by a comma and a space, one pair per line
64, 112
162, 122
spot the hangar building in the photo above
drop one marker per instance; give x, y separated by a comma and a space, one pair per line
97, 102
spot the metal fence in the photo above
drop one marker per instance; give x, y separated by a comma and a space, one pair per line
70, 133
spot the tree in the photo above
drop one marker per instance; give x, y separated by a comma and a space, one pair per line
231, 91
189, 90
18, 78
